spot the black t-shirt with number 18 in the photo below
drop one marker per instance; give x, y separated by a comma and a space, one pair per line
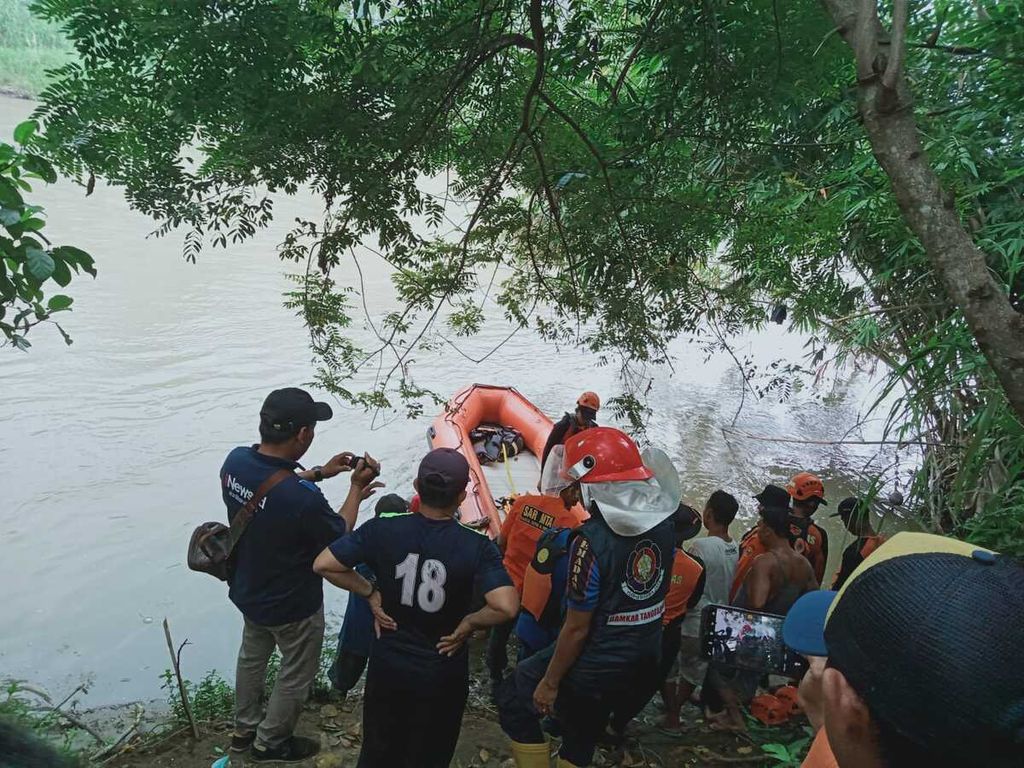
426, 571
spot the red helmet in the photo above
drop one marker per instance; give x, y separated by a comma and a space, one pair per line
604, 455
589, 400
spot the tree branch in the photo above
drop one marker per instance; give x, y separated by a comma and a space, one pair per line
896, 41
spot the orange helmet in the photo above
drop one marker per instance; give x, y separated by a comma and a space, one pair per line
806, 486
589, 400
603, 455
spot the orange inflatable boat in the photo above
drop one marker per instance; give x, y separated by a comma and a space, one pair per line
505, 406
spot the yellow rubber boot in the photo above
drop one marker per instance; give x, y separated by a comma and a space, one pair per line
531, 755
563, 763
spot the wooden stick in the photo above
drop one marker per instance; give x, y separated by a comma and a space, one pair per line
181, 683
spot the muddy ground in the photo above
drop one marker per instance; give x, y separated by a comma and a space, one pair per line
481, 744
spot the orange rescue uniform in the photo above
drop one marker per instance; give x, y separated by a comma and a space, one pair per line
814, 546
530, 516
685, 588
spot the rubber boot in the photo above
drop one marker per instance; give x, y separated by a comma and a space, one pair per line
563, 763
531, 755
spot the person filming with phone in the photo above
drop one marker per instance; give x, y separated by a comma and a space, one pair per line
915, 660
272, 582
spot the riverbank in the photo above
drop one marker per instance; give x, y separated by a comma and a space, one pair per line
338, 726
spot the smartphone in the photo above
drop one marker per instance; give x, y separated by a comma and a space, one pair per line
748, 640
355, 459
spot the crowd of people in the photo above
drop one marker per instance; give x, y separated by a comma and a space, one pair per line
601, 578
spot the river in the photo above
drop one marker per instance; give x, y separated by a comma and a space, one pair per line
110, 448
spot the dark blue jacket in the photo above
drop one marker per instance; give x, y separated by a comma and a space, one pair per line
273, 581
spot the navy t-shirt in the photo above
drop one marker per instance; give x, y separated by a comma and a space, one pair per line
274, 582
426, 571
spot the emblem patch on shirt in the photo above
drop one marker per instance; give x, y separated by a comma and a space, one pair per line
644, 573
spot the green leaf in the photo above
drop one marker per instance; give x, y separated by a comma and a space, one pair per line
33, 225
9, 195
59, 302
40, 263
40, 167
61, 272
67, 339
77, 256
25, 131
9, 216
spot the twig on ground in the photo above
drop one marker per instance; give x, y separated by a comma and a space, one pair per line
175, 660
107, 750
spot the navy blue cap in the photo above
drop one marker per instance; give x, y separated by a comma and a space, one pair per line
444, 469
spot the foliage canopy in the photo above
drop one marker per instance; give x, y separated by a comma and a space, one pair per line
632, 169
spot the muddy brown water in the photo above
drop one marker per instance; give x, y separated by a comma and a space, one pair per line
110, 448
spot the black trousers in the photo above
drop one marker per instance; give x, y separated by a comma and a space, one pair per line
644, 690
346, 670
497, 649
584, 703
410, 721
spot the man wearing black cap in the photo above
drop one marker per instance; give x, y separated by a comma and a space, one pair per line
272, 582
427, 567
856, 516
772, 497
923, 645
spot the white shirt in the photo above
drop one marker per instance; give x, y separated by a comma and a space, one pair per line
719, 558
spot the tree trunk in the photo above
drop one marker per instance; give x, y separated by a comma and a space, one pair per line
886, 109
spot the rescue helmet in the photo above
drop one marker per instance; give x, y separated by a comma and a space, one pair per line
589, 400
604, 455
805, 486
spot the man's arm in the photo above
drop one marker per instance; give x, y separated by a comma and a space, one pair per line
502, 604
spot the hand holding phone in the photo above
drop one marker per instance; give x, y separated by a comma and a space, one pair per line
749, 640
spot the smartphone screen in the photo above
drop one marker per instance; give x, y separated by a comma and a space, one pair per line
749, 640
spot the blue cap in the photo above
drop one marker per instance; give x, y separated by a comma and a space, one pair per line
804, 627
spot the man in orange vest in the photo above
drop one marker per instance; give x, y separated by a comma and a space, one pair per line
856, 516
584, 417
809, 540
532, 514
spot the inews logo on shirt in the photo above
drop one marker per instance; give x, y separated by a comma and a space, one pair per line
239, 492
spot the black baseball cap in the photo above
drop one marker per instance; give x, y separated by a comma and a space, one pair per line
286, 410
390, 504
774, 497
687, 522
444, 470
849, 506
928, 631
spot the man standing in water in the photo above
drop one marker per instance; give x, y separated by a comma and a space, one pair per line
272, 582
428, 567
618, 578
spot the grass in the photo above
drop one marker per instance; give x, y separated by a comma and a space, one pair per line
23, 70
29, 47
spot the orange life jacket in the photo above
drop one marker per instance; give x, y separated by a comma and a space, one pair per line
531, 515
686, 574
810, 541
536, 598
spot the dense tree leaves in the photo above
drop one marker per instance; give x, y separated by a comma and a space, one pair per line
627, 172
